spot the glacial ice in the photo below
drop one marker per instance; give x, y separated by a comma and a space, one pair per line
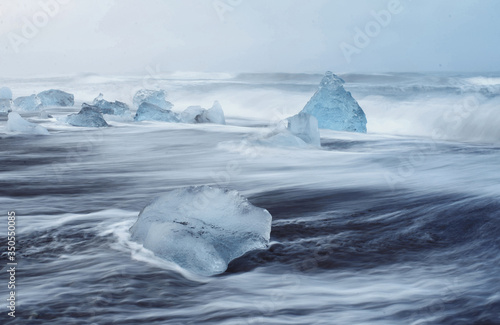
5, 99
305, 127
300, 130
17, 124
28, 103
89, 116
197, 114
155, 97
5, 93
215, 114
192, 114
335, 108
150, 112
111, 108
202, 228
55, 97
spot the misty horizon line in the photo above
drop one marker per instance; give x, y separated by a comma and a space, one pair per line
187, 74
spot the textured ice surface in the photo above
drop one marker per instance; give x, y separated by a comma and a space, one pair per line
192, 114
215, 114
5, 99
155, 97
5, 105
202, 228
17, 124
5, 93
300, 130
89, 116
334, 107
111, 108
28, 103
55, 97
305, 127
150, 112
197, 114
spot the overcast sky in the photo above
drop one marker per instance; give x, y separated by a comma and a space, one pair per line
127, 36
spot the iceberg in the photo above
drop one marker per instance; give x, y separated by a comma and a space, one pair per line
155, 97
28, 103
335, 108
197, 114
17, 124
89, 116
5, 99
202, 228
111, 108
55, 97
150, 112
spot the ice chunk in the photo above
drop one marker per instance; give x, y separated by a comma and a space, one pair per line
150, 112
5, 93
305, 127
300, 130
197, 114
55, 97
89, 116
112, 108
192, 114
17, 124
28, 103
334, 107
5, 99
155, 97
215, 114
202, 228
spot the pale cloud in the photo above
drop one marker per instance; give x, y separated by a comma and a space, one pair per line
125, 36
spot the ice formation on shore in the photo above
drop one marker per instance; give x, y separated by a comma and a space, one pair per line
56, 97
155, 97
28, 103
17, 124
150, 112
335, 108
89, 116
202, 228
111, 108
197, 114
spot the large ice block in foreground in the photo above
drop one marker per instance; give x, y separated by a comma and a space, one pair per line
335, 108
55, 97
202, 228
197, 114
17, 124
5, 99
155, 97
150, 112
89, 116
28, 103
111, 108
